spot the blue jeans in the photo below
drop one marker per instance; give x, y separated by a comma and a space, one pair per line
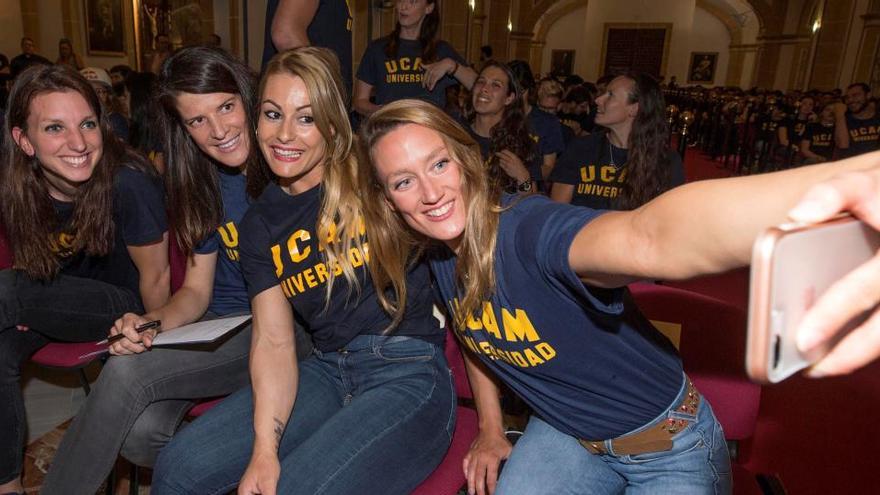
546, 460
69, 309
375, 417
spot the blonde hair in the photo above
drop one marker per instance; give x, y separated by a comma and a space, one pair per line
339, 223
394, 246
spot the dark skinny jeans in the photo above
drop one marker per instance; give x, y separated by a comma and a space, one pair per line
67, 309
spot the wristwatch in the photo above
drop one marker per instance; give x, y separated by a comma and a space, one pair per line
524, 186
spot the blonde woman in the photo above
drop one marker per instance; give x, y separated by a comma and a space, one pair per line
371, 410
535, 288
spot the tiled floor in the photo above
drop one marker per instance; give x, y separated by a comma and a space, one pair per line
50, 397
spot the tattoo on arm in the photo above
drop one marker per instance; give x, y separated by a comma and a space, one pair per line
279, 431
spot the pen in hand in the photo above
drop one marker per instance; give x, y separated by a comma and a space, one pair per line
139, 329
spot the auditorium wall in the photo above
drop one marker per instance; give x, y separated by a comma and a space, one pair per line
693, 29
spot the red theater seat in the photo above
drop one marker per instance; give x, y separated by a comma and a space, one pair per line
712, 343
448, 478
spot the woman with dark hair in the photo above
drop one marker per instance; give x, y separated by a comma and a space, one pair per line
537, 295
411, 62
630, 162
87, 227
372, 409
498, 124
206, 100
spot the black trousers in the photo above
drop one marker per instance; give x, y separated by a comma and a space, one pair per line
68, 309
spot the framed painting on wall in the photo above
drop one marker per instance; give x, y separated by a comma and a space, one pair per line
702, 67
561, 62
105, 31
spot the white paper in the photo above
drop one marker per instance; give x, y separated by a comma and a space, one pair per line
194, 333
200, 331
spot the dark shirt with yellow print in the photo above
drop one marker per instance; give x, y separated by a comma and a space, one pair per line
138, 218
396, 78
229, 294
597, 170
864, 135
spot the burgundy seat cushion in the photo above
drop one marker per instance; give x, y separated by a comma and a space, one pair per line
67, 355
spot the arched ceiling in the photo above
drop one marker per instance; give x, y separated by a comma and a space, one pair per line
743, 18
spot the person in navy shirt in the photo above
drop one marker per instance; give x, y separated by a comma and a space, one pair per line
535, 290
630, 162
87, 228
498, 124
411, 62
137, 404
544, 127
295, 23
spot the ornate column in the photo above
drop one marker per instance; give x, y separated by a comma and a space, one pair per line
30, 23
830, 45
867, 62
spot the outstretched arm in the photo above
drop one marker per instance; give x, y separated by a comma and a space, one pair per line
700, 228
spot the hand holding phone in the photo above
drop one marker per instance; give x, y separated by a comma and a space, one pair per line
793, 265
832, 324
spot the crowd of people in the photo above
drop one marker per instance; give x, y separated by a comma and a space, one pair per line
522, 206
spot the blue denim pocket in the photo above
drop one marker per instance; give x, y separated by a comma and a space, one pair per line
406, 350
685, 441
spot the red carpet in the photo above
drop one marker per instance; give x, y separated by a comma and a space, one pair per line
819, 436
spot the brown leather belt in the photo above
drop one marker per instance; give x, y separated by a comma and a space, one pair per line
657, 438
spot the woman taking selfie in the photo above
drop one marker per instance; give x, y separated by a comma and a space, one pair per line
535, 289
372, 409
85, 219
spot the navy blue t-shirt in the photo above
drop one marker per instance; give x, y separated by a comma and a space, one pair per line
139, 219
864, 135
330, 28
400, 77
229, 294
279, 245
597, 169
546, 131
585, 360
821, 138
533, 165
795, 127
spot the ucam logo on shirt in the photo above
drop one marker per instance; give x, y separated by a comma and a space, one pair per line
515, 341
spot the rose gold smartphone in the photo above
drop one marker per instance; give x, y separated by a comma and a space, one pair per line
792, 265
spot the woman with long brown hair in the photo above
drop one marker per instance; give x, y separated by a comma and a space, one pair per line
372, 409
630, 162
537, 294
498, 124
85, 219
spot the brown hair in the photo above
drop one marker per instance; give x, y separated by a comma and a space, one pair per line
26, 207
191, 181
